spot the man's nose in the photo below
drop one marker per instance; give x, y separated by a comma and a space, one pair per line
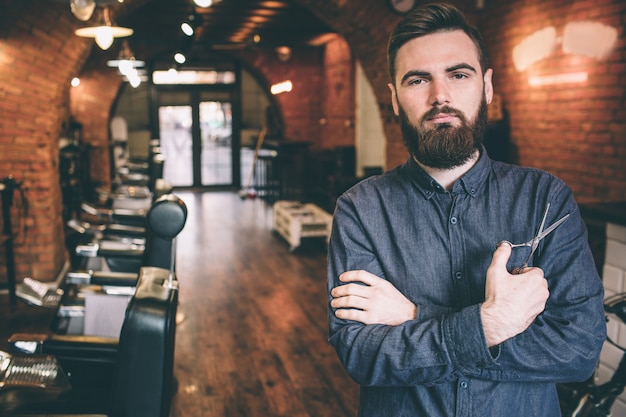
439, 92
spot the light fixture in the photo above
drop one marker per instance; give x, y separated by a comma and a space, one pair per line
186, 28
592, 39
104, 33
82, 9
283, 53
281, 87
189, 26
180, 58
75, 82
203, 3
125, 61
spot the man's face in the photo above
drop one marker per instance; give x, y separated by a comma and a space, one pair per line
441, 97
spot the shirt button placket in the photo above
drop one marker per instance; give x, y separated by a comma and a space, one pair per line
463, 408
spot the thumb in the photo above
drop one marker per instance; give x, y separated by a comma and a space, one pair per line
501, 255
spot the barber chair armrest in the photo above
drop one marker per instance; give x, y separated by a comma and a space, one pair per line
125, 229
110, 248
126, 279
115, 215
63, 345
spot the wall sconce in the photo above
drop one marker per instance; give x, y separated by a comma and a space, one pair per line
590, 39
585, 38
281, 87
104, 32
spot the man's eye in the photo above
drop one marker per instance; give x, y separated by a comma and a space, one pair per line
459, 76
417, 81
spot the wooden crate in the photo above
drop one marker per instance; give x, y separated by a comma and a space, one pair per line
294, 221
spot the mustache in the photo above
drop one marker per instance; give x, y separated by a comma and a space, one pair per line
435, 111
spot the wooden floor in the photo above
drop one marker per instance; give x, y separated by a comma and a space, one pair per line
252, 340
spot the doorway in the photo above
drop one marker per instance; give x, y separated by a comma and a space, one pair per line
196, 139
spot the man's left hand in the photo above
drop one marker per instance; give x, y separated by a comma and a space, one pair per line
376, 302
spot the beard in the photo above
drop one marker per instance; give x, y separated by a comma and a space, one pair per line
444, 146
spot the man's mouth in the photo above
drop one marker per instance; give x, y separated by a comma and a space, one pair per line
443, 118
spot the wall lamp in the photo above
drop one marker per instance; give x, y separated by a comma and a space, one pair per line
582, 38
104, 32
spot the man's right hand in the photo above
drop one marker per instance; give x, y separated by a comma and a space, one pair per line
512, 302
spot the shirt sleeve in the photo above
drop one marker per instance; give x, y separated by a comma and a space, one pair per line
564, 342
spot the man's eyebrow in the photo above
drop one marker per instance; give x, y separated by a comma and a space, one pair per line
461, 66
415, 73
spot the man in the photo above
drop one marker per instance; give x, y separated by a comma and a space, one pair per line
424, 314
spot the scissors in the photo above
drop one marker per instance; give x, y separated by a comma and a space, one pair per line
534, 242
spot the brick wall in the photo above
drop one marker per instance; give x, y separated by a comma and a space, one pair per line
576, 131
300, 110
337, 124
34, 95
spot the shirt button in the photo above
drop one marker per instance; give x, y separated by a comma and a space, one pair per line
453, 220
463, 384
458, 275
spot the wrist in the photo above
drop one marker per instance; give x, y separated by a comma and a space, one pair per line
494, 328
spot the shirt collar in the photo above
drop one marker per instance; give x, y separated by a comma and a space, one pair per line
471, 182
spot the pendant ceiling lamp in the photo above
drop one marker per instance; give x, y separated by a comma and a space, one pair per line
104, 32
82, 9
126, 60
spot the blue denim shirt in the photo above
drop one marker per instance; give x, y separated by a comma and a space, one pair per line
435, 247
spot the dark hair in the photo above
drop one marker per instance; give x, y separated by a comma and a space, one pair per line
428, 19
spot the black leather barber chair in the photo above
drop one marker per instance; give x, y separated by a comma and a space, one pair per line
163, 221
128, 182
90, 293
128, 376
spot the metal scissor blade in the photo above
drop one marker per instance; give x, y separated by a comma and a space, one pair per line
540, 235
551, 228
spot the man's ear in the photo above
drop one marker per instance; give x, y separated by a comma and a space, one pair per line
488, 85
394, 99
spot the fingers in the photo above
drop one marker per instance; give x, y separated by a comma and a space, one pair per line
359, 276
349, 301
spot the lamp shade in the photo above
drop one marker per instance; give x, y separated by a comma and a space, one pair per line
104, 32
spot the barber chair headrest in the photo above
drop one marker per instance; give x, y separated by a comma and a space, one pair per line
167, 216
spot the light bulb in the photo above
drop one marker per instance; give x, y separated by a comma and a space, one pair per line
203, 3
125, 66
104, 37
187, 29
180, 58
82, 9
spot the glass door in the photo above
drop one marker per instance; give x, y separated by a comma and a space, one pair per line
216, 130
176, 142
196, 136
